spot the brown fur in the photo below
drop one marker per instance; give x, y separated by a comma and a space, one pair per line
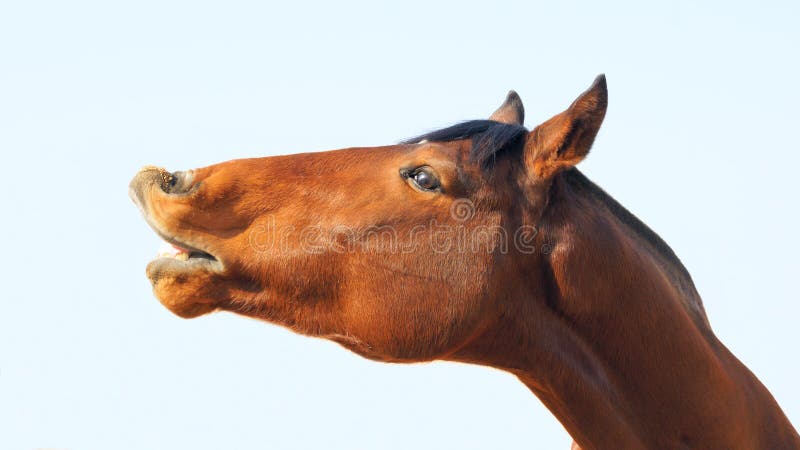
594, 313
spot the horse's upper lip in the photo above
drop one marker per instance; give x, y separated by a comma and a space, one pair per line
194, 253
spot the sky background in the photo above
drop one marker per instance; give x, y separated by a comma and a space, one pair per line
700, 142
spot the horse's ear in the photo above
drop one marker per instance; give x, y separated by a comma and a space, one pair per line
566, 138
511, 111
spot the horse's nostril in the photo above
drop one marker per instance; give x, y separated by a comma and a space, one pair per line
179, 182
167, 181
152, 174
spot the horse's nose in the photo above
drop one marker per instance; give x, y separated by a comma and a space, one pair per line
169, 183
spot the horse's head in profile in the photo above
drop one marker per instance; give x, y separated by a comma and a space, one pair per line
478, 243
401, 252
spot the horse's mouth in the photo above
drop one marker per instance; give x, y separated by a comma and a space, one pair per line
182, 253
177, 254
184, 263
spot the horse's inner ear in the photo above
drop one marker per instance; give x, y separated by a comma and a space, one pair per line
566, 138
511, 111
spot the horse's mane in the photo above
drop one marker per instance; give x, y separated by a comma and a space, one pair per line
489, 138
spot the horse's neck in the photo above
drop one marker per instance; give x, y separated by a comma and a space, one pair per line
618, 356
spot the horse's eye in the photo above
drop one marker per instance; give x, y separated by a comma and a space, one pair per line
425, 179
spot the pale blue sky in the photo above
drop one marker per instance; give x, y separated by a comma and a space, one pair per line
700, 142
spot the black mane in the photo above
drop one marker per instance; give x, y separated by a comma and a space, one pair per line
489, 138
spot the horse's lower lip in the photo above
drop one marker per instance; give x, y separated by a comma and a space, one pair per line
181, 260
170, 268
189, 263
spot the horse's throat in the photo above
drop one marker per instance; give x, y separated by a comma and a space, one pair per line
623, 363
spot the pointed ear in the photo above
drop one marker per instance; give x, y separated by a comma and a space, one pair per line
566, 138
511, 111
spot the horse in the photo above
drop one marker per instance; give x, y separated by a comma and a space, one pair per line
479, 243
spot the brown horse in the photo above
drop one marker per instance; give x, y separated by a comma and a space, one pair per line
478, 243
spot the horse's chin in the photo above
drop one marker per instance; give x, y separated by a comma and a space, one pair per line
188, 288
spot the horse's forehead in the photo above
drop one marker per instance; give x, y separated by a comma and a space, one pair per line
403, 154
449, 150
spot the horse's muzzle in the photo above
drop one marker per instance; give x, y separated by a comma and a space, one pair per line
154, 190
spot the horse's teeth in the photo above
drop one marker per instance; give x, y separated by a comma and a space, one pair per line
168, 250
